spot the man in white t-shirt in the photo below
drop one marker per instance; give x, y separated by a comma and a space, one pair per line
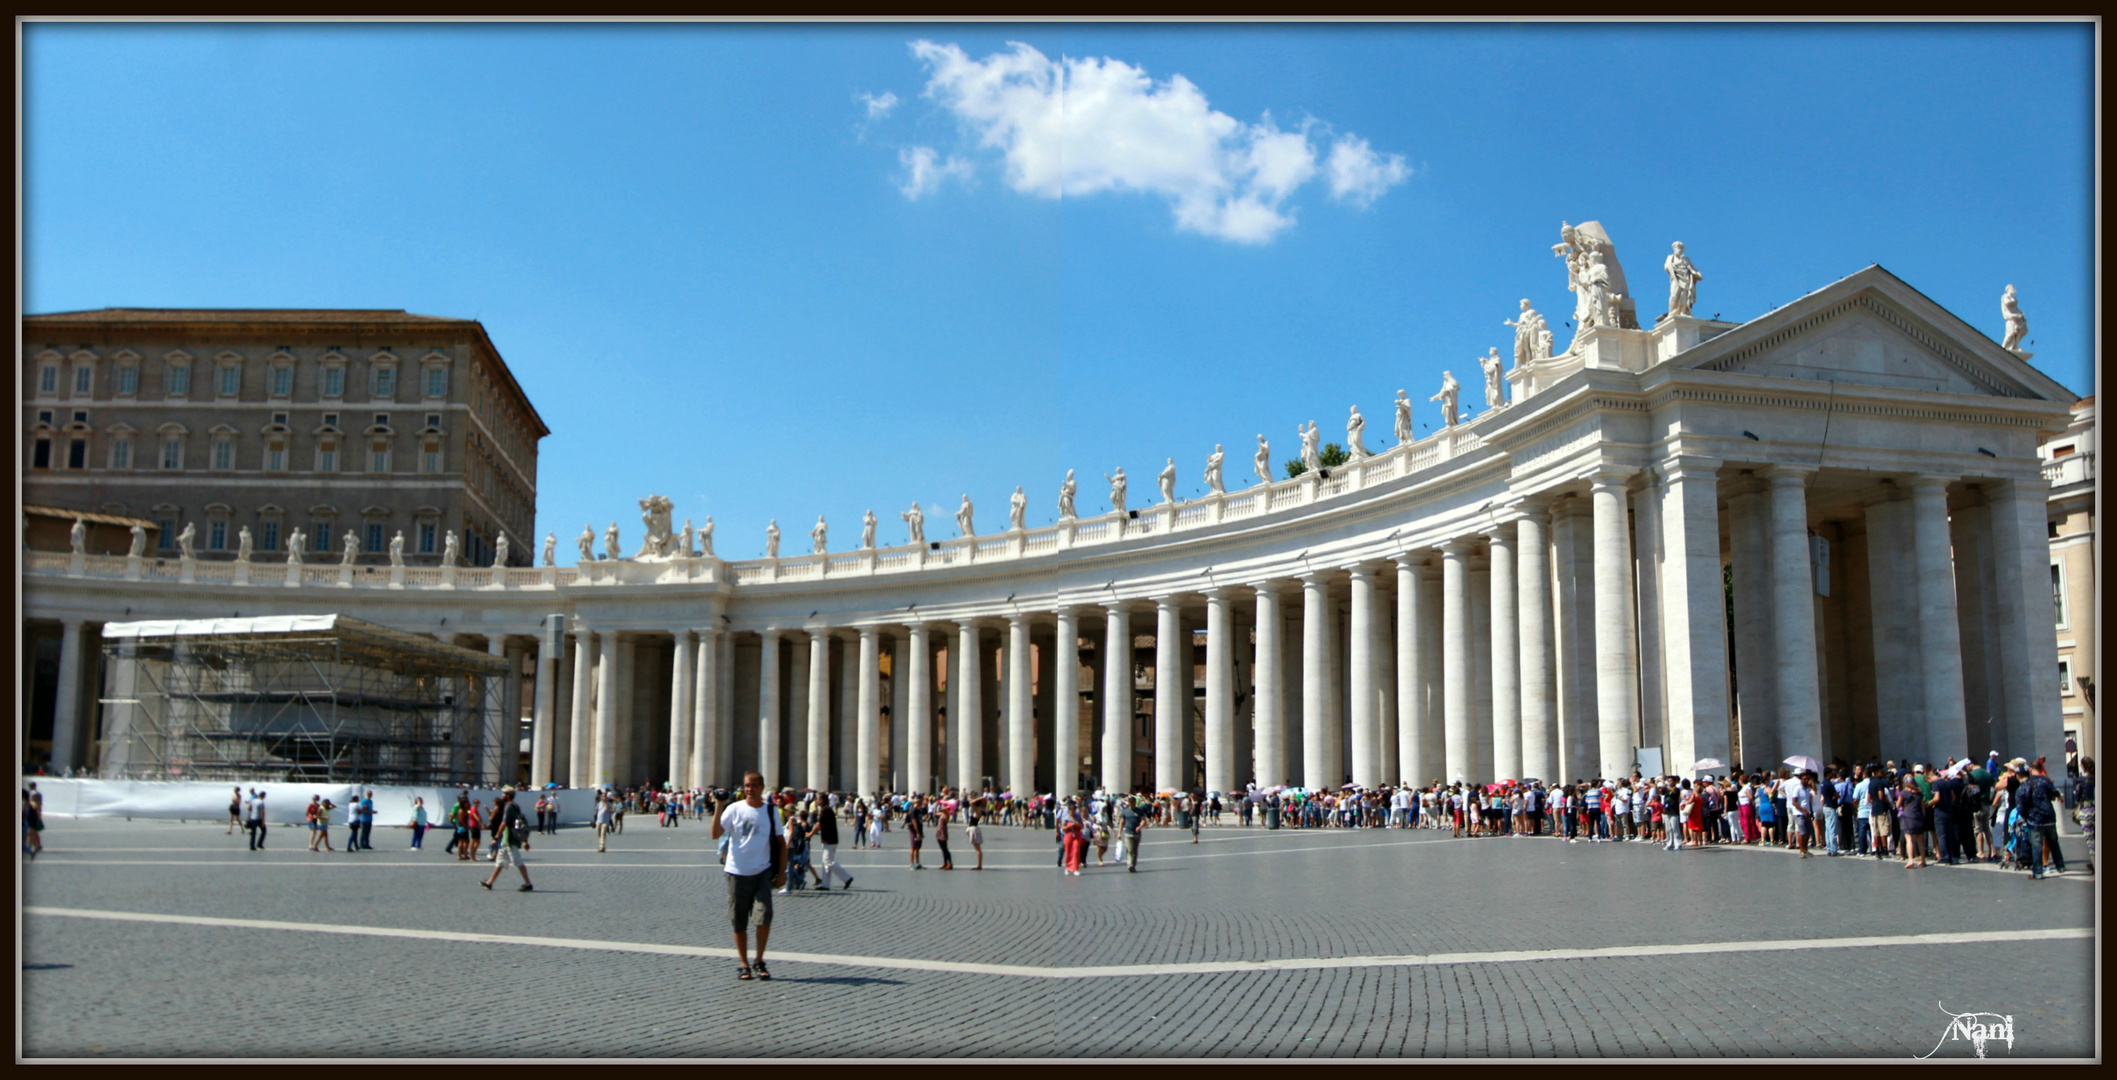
750, 826
1799, 804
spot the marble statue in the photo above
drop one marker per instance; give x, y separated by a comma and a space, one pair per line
1262, 463
1117, 489
551, 548
1447, 397
818, 536
186, 541
1017, 510
705, 538
587, 543
1066, 491
1595, 282
660, 542
915, 518
963, 512
448, 549
499, 552
1167, 480
295, 543
78, 536
867, 531
242, 544
1531, 337
1596, 294
350, 550
1404, 432
1495, 379
2017, 323
1213, 464
139, 539
771, 539
1311, 455
1355, 434
397, 549
683, 543
1683, 281
610, 544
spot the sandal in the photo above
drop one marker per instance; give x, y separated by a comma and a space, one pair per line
743, 973
763, 972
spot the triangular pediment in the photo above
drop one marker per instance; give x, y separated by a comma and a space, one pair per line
1871, 329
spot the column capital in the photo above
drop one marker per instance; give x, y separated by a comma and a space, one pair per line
1266, 585
1690, 467
1499, 532
1019, 618
1361, 570
1923, 482
1787, 475
705, 632
868, 631
1460, 546
1168, 600
1218, 592
1319, 577
1611, 476
1412, 558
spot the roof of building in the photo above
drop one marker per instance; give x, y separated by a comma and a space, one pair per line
89, 516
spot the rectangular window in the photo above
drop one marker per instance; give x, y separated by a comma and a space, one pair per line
128, 379
80, 416
376, 541
172, 451
379, 459
327, 458
270, 539
231, 381
436, 382
430, 461
84, 379
2058, 593
321, 540
48, 379
121, 452
223, 454
77, 454
433, 420
40, 455
44, 416
179, 380
167, 528
217, 535
2065, 677
282, 381
330, 419
426, 538
385, 382
276, 458
333, 381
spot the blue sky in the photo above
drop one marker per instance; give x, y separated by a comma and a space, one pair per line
777, 271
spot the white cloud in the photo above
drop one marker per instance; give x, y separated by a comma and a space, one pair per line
1072, 127
925, 171
879, 107
1358, 174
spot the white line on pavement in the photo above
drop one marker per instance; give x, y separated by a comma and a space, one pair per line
891, 963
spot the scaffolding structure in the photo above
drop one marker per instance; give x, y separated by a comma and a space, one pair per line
306, 698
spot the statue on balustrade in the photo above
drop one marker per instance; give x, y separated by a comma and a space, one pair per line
817, 537
1213, 466
1066, 491
397, 549
867, 531
551, 547
915, 519
294, 545
963, 513
1167, 481
1356, 434
1495, 379
448, 547
1017, 510
77, 536
1593, 276
1262, 463
139, 540
242, 544
684, 550
186, 541
611, 548
1447, 397
350, 550
771, 539
705, 538
1683, 281
1311, 451
2017, 323
1405, 436
587, 543
1531, 337
499, 551
1117, 490
660, 542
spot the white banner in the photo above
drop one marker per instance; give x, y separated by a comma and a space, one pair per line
286, 803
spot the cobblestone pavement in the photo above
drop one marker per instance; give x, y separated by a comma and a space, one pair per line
1326, 943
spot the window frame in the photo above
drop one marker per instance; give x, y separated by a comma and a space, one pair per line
221, 454
172, 452
223, 376
48, 379
84, 384
2060, 602
120, 453
282, 384
176, 382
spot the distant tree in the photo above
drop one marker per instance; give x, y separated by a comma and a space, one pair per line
1332, 456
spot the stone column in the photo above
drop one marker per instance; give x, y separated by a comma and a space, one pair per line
845, 731
899, 710
580, 738
67, 745
121, 727
1066, 705
768, 708
1693, 614
919, 711
722, 765
867, 766
1221, 774
1646, 620
1172, 692
1320, 765
1415, 759
1940, 635
622, 765
1366, 715
1117, 699
1616, 647
705, 693
1043, 709
1794, 618
1021, 719
817, 761
1573, 550
1270, 688
1535, 620
1480, 591
2028, 620
609, 712
1456, 673
794, 751
1506, 659
1756, 688
967, 725
682, 686
496, 743
550, 646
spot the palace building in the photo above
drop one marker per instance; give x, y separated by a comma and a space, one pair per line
1822, 531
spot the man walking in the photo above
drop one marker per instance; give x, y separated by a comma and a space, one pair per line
512, 830
1135, 820
2034, 796
257, 820
750, 826
825, 835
